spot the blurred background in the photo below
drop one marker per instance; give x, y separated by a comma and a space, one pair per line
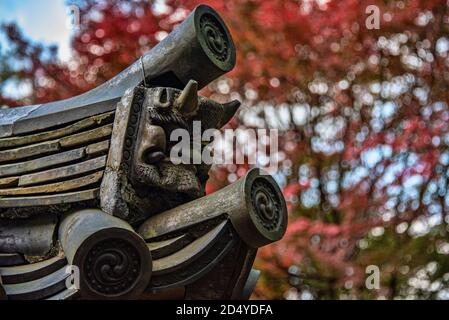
358, 92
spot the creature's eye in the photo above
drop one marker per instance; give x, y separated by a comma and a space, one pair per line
162, 99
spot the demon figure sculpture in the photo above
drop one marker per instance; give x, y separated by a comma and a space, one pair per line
92, 204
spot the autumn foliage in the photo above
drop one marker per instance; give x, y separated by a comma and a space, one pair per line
363, 115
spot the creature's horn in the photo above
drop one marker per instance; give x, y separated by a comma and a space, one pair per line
230, 109
187, 101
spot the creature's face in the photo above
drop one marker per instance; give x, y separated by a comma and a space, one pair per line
156, 181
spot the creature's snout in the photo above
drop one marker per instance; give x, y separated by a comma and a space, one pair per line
152, 145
